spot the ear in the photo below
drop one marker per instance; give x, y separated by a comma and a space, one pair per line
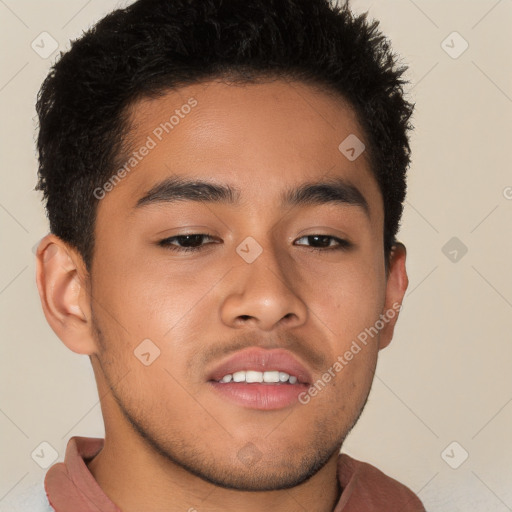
396, 285
63, 285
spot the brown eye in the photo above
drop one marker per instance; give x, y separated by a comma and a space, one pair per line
325, 242
184, 243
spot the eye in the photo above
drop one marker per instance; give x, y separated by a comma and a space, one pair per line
185, 243
194, 242
324, 242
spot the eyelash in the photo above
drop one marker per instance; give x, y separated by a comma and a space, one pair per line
166, 243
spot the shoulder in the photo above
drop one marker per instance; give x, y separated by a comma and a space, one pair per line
364, 483
29, 499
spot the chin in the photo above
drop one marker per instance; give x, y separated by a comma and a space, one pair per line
253, 472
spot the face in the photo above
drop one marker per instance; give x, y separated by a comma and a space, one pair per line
200, 293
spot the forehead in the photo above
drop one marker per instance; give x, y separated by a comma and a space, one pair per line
257, 138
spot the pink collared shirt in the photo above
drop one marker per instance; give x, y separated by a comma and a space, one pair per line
70, 486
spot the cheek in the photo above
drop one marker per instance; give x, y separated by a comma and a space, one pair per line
340, 392
146, 296
346, 300
348, 303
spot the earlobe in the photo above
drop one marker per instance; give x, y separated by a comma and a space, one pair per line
396, 286
62, 283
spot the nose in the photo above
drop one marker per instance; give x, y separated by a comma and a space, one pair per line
263, 293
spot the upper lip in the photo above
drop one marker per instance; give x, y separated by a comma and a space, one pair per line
262, 360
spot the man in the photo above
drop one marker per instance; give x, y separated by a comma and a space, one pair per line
224, 183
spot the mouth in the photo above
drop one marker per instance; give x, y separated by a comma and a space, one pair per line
268, 377
261, 379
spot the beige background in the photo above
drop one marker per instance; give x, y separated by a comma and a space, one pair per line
447, 374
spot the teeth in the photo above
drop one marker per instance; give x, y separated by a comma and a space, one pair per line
239, 377
283, 377
254, 376
271, 377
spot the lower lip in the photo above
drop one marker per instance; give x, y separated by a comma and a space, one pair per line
260, 396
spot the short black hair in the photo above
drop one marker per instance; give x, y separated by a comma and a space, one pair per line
154, 46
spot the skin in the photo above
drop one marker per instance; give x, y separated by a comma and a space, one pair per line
185, 448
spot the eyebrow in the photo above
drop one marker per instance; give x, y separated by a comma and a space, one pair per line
334, 190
